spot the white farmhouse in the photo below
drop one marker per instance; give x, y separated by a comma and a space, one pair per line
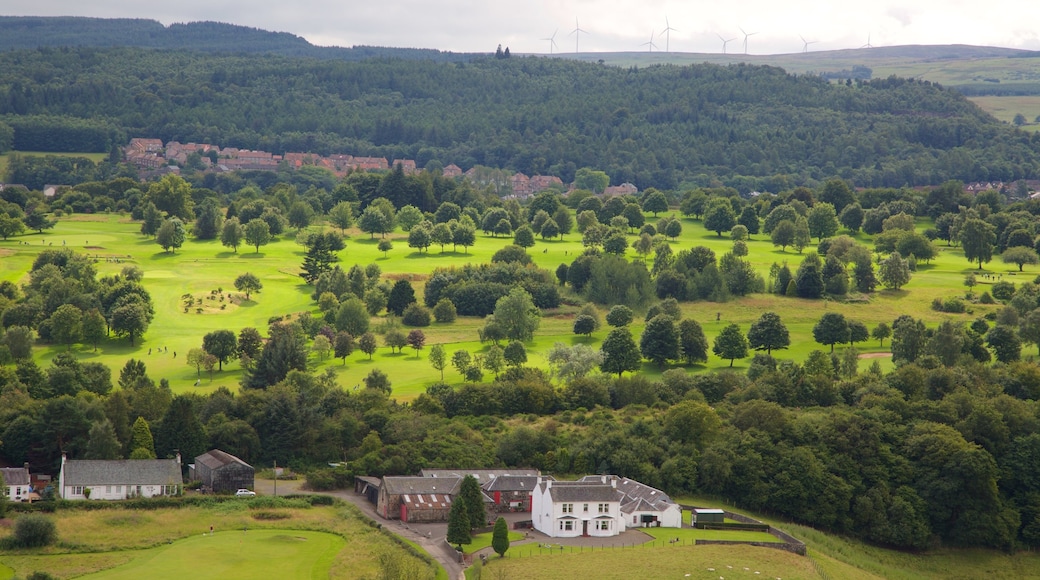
643, 506
17, 483
119, 479
568, 509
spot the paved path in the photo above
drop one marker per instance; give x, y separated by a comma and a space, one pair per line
428, 536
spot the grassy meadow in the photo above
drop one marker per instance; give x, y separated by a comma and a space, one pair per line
284, 542
201, 267
837, 556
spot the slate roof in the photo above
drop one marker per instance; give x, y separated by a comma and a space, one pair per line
122, 472
15, 475
574, 491
512, 483
216, 458
400, 485
482, 475
633, 490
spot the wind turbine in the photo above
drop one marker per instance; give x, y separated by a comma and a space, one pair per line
667, 35
806, 43
746, 35
868, 45
725, 41
552, 40
650, 43
577, 32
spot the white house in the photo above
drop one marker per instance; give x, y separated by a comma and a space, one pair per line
643, 506
119, 479
568, 509
17, 483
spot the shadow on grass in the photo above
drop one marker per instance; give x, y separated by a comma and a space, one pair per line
252, 256
162, 256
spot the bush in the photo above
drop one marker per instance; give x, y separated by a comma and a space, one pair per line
327, 480
270, 516
33, 531
1003, 290
986, 298
953, 305
416, 314
445, 311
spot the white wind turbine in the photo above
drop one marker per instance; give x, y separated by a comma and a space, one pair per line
667, 35
577, 32
552, 40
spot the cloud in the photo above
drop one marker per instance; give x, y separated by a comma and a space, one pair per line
612, 25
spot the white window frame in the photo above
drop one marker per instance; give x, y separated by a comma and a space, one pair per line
77, 490
568, 508
604, 508
567, 525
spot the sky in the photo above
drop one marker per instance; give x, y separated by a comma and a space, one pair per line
525, 26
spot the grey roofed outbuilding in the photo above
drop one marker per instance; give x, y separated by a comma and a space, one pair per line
216, 458
15, 475
512, 483
122, 472
399, 485
482, 476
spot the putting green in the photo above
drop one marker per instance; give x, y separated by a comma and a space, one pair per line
283, 554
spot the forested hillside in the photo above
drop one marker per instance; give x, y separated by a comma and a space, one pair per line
753, 127
27, 32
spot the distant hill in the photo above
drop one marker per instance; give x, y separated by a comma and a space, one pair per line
972, 70
27, 32
753, 127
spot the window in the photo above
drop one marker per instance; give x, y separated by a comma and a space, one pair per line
568, 508
602, 524
634, 519
77, 490
108, 489
586, 508
119, 489
567, 525
604, 508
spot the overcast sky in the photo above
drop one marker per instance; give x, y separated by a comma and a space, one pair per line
611, 25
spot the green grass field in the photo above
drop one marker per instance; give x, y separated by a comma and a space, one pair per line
847, 558
200, 267
237, 554
661, 560
172, 542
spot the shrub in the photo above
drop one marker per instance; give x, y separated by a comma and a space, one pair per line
986, 298
416, 314
953, 305
269, 516
1003, 290
33, 531
445, 311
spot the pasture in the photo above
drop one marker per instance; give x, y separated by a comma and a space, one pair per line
202, 267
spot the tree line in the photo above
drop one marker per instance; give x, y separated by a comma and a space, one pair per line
751, 127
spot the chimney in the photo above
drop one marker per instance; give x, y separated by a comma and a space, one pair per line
548, 484
178, 458
603, 479
26, 466
613, 483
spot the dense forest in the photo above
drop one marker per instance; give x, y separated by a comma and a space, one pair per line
22, 32
753, 128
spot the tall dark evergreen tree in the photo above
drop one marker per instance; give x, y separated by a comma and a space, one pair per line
285, 350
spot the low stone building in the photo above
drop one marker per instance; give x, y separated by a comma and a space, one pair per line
222, 472
119, 478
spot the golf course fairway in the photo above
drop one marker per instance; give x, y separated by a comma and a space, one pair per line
284, 554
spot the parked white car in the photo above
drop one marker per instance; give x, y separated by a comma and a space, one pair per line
245, 493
